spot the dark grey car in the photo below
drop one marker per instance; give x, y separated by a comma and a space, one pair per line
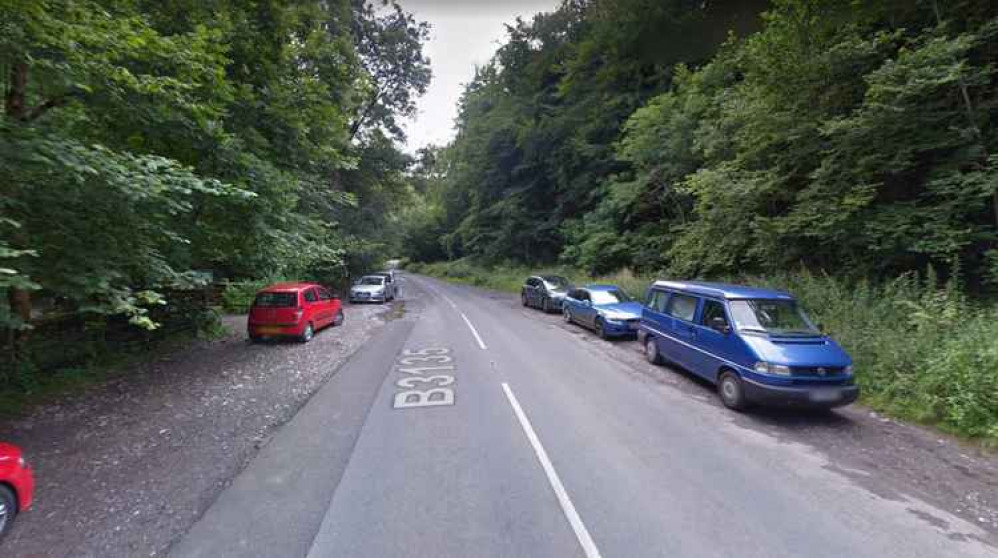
546, 292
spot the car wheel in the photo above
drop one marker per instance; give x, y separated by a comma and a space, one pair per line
8, 510
308, 334
338, 320
567, 314
600, 329
731, 391
651, 351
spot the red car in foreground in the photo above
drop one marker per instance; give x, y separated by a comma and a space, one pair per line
293, 310
17, 486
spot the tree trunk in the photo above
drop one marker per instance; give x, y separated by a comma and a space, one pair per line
14, 104
15, 108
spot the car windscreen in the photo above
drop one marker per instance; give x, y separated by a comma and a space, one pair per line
609, 297
372, 280
555, 283
776, 317
276, 300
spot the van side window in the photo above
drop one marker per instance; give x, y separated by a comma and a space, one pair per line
324, 295
683, 307
657, 300
310, 295
712, 309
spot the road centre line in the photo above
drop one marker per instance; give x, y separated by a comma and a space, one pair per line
473, 331
581, 533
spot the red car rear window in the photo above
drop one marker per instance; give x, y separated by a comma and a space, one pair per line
276, 300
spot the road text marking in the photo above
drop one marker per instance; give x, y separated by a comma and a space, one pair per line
581, 533
433, 389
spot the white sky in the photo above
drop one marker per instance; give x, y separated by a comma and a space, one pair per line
465, 33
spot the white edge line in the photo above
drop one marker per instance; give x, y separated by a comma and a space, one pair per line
581, 533
474, 331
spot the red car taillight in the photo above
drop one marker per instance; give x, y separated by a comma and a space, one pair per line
299, 312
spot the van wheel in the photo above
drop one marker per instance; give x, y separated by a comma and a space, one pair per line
8, 509
567, 314
731, 391
651, 351
338, 320
308, 334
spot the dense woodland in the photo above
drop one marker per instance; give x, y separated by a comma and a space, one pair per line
150, 145
710, 138
846, 151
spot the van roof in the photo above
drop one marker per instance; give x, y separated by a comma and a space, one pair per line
723, 290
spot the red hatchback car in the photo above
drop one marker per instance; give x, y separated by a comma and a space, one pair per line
293, 310
17, 486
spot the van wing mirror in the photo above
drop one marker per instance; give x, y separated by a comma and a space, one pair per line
720, 324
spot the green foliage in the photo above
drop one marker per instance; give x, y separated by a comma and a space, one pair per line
237, 296
209, 326
851, 137
144, 142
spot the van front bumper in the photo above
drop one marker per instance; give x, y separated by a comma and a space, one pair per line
825, 397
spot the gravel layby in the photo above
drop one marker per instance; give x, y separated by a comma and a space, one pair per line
125, 468
889, 458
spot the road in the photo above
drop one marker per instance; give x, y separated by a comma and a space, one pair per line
538, 443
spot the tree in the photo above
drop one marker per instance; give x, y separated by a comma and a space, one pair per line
389, 44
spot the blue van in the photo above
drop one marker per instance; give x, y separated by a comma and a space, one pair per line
755, 345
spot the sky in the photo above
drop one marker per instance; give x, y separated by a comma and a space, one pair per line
464, 33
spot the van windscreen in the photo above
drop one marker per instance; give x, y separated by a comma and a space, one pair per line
776, 317
276, 300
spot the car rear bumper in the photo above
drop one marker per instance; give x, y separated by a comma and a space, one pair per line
379, 298
825, 397
275, 330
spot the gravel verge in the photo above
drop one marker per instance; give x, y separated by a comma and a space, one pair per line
126, 467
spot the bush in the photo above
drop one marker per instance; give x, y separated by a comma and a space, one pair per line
237, 297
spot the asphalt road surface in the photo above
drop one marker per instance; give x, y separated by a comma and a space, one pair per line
467, 428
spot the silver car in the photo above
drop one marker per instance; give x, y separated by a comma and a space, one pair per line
372, 288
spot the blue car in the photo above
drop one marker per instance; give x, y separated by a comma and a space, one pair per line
605, 308
755, 345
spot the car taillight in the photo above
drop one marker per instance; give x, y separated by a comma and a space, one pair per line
299, 312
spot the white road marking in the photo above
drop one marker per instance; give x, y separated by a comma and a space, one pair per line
474, 331
466, 320
581, 533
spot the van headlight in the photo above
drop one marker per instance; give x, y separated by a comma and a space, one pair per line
774, 369
848, 370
